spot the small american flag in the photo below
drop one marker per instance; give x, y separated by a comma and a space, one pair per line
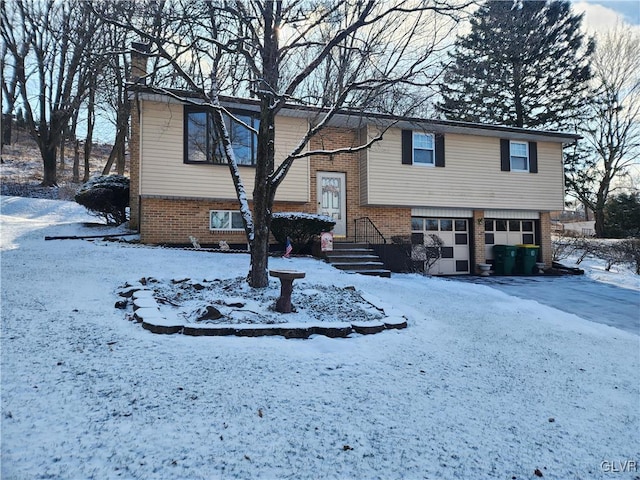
288, 249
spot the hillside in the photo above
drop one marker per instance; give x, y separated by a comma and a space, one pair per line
21, 169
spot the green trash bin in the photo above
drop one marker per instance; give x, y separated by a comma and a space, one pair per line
504, 259
526, 259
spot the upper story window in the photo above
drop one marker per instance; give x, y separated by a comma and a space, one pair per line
203, 145
419, 148
423, 148
519, 156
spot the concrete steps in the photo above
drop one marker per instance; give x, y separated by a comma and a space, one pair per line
357, 258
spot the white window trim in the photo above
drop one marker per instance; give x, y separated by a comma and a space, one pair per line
413, 150
230, 212
526, 144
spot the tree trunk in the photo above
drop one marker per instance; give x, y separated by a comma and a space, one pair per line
258, 274
264, 191
76, 162
585, 205
110, 160
91, 119
50, 171
599, 227
117, 153
118, 150
61, 161
517, 94
7, 122
263, 196
87, 154
121, 157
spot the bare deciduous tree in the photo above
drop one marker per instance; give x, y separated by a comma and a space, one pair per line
366, 52
49, 44
612, 136
9, 92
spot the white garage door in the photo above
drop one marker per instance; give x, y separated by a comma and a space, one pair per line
507, 232
454, 234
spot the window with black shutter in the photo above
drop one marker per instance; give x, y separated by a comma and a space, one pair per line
518, 156
419, 148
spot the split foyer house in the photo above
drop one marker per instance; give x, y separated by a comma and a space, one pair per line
473, 185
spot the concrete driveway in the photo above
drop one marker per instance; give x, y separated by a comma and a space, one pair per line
580, 295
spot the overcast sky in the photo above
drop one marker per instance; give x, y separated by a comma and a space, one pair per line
604, 14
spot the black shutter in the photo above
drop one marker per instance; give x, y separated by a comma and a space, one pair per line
533, 157
439, 150
407, 147
505, 155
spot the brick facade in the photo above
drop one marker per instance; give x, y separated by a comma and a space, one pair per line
478, 253
134, 166
545, 239
173, 221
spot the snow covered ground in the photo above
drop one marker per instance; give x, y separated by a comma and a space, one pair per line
480, 385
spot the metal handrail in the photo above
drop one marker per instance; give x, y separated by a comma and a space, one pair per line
366, 231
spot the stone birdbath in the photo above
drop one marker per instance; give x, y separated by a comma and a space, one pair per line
283, 304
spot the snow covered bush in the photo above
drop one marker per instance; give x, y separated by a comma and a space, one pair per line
632, 248
569, 243
301, 228
625, 252
106, 196
613, 252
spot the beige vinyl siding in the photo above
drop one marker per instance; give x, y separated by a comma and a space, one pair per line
471, 177
164, 173
295, 186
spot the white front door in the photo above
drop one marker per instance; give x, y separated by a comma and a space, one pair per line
332, 200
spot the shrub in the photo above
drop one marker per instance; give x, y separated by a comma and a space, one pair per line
425, 250
107, 197
571, 243
632, 248
301, 228
621, 252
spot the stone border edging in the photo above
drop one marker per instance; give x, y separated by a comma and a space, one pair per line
147, 312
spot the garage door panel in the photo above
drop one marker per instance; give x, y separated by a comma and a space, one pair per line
454, 234
507, 232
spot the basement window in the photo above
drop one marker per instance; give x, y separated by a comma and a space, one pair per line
227, 220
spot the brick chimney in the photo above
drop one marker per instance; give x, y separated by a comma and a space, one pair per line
137, 76
139, 56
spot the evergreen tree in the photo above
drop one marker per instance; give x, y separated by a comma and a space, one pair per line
622, 216
524, 64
